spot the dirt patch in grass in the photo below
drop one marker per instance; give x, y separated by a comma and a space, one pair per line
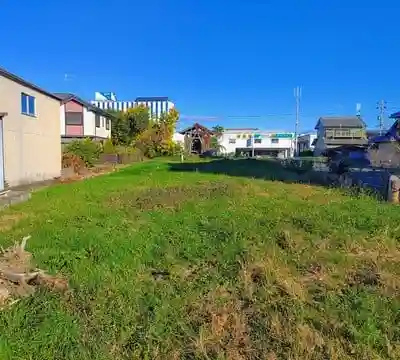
173, 197
102, 169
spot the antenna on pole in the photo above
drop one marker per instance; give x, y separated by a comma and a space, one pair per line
358, 110
297, 95
381, 107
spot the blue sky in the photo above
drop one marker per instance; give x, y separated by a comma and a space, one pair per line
235, 61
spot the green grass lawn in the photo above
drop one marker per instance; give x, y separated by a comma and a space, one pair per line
200, 265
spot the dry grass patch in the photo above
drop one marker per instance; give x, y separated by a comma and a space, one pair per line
8, 221
378, 264
271, 272
174, 197
223, 327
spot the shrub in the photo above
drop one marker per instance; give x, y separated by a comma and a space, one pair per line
136, 155
108, 147
175, 148
87, 150
306, 153
72, 161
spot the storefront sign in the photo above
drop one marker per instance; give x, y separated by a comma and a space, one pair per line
282, 135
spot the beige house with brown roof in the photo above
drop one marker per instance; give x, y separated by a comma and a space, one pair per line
30, 148
338, 131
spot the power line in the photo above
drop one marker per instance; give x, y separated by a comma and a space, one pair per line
381, 107
222, 117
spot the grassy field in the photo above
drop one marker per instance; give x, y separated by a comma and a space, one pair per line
169, 262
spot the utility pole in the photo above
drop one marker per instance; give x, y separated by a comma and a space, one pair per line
297, 95
381, 107
252, 144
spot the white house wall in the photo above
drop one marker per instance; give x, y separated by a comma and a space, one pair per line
88, 123
62, 119
90, 129
102, 130
178, 138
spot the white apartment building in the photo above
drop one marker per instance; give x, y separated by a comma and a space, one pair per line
157, 105
253, 141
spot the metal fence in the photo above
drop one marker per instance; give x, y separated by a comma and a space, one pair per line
373, 179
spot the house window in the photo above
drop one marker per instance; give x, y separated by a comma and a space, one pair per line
257, 141
357, 133
232, 141
274, 141
73, 118
97, 120
102, 121
342, 133
329, 134
108, 124
28, 104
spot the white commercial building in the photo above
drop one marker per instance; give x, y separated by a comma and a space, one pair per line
253, 141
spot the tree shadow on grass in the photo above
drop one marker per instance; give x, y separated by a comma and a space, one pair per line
251, 168
274, 170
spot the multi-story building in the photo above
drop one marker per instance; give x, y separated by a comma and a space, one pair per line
109, 101
156, 105
105, 96
338, 131
305, 142
253, 141
79, 119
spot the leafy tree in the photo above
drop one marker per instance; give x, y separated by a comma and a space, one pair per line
214, 143
218, 130
157, 139
138, 119
119, 128
217, 133
126, 126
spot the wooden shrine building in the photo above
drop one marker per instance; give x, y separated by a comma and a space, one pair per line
197, 138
